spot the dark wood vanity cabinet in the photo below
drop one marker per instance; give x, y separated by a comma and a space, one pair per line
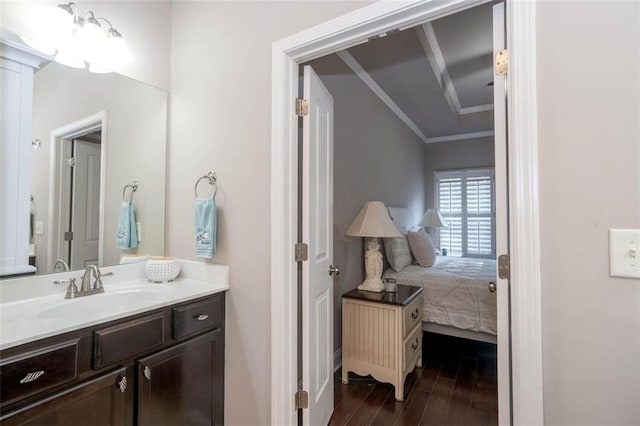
163, 367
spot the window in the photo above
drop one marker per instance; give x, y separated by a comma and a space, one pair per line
465, 199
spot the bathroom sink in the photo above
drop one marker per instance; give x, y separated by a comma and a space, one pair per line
117, 301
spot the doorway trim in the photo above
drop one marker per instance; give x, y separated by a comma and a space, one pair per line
355, 28
58, 136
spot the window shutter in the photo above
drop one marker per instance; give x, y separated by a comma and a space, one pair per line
479, 215
450, 206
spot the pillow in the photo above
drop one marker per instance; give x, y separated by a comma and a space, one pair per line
398, 253
422, 248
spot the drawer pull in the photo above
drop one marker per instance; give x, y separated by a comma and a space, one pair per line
31, 377
147, 373
122, 384
415, 313
414, 346
201, 317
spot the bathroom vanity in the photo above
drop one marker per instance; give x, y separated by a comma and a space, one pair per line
139, 353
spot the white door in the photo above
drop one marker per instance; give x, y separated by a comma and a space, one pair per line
502, 223
317, 231
85, 205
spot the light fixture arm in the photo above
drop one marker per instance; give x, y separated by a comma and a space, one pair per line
112, 31
72, 9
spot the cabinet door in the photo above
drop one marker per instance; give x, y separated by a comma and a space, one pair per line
183, 385
101, 401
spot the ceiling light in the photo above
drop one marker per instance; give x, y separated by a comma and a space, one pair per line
76, 40
69, 58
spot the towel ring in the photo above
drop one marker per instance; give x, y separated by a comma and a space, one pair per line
134, 187
212, 178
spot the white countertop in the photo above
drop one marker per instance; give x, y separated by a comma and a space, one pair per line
33, 308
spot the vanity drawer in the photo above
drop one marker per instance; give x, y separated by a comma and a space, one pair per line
127, 339
36, 371
412, 315
196, 317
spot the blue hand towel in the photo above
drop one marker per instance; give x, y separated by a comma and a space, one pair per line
127, 237
206, 224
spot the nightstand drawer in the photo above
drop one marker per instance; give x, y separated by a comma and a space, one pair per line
412, 315
39, 370
412, 347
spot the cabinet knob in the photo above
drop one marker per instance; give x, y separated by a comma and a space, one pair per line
201, 317
147, 373
122, 384
414, 346
414, 314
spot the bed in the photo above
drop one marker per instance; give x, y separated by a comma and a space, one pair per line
457, 300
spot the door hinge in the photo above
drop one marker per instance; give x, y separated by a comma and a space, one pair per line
302, 107
71, 162
302, 399
302, 252
504, 268
68, 236
502, 62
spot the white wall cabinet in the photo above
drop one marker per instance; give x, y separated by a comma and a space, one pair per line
16, 91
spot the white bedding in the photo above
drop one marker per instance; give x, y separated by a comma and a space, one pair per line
455, 292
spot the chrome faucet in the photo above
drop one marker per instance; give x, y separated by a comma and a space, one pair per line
86, 279
65, 265
86, 287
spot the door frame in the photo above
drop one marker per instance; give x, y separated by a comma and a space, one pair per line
56, 195
524, 239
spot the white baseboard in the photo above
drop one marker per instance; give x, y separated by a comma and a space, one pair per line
337, 359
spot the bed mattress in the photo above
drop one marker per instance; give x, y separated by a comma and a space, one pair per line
455, 292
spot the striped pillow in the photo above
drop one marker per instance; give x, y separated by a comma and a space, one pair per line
398, 253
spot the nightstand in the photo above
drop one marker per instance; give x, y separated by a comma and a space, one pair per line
382, 335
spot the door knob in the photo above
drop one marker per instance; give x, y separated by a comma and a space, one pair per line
334, 270
492, 287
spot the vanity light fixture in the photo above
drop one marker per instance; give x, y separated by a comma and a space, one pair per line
80, 42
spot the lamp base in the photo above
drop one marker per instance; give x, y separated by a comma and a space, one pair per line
372, 285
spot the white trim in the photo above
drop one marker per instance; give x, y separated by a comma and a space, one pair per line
70, 131
355, 66
432, 51
461, 136
349, 30
524, 239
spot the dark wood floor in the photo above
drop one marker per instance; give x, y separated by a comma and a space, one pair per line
456, 386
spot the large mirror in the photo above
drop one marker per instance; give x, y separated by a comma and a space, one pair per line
98, 144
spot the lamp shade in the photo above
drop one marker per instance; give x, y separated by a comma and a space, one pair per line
373, 221
434, 219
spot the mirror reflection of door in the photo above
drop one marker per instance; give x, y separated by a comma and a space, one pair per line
84, 199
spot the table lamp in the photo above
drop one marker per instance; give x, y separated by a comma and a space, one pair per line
373, 222
433, 219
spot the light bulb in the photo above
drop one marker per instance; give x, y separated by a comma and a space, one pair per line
69, 58
119, 53
91, 32
98, 69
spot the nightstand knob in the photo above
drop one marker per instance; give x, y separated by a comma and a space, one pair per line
334, 270
414, 314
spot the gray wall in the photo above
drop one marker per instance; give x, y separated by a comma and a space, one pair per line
376, 158
589, 153
455, 155
221, 120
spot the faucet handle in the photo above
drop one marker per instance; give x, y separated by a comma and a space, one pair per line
71, 289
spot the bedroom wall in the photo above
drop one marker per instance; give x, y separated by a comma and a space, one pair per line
221, 120
376, 157
455, 155
589, 153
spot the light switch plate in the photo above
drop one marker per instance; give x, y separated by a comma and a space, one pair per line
624, 253
39, 227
